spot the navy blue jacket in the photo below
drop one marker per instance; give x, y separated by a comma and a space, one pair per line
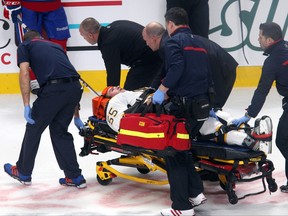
48, 60
186, 65
275, 68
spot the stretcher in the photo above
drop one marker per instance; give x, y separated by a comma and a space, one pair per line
231, 164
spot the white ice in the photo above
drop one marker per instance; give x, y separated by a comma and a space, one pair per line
121, 197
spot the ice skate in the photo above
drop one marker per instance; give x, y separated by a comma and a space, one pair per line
251, 143
262, 132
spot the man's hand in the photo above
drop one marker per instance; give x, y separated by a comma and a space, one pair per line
158, 97
12, 8
241, 120
27, 114
148, 100
78, 123
213, 114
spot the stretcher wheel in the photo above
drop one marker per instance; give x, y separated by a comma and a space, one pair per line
272, 185
104, 181
233, 199
143, 170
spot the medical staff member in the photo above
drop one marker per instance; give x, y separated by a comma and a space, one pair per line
54, 107
275, 68
186, 82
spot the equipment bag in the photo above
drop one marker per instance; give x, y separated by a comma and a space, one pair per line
153, 131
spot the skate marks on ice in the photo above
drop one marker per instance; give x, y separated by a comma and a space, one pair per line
262, 204
122, 197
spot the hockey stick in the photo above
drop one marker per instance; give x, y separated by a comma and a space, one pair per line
23, 25
85, 84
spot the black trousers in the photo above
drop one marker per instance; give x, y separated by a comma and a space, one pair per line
184, 180
282, 138
54, 107
142, 73
198, 13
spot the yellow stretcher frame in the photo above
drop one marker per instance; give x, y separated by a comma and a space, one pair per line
146, 161
105, 172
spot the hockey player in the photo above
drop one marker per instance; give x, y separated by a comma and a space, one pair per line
213, 128
46, 16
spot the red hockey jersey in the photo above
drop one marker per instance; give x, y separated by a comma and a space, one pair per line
41, 5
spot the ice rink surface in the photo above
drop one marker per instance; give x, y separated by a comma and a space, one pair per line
121, 197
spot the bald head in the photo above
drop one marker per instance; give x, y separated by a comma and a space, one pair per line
89, 29
152, 34
154, 29
90, 25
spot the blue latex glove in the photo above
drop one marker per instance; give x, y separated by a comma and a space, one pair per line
158, 97
78, 123
241, 120
27, 114
12, 8
213, 114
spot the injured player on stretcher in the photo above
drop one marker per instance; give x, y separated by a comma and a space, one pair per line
217, 129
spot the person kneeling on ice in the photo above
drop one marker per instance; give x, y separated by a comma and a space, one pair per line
218, 128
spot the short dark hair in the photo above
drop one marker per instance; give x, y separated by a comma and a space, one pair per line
272, 30
177, 15
31, 34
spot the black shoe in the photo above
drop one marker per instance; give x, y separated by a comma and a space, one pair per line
284, 188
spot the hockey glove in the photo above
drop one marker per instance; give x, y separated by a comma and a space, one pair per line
158, 97
241, 120
27, 114
12, 8
78, 123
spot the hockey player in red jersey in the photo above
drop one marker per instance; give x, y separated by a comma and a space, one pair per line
45, 16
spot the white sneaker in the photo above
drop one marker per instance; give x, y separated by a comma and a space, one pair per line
173, 212
196, 201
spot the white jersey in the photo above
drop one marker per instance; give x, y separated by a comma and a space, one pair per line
117, 105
